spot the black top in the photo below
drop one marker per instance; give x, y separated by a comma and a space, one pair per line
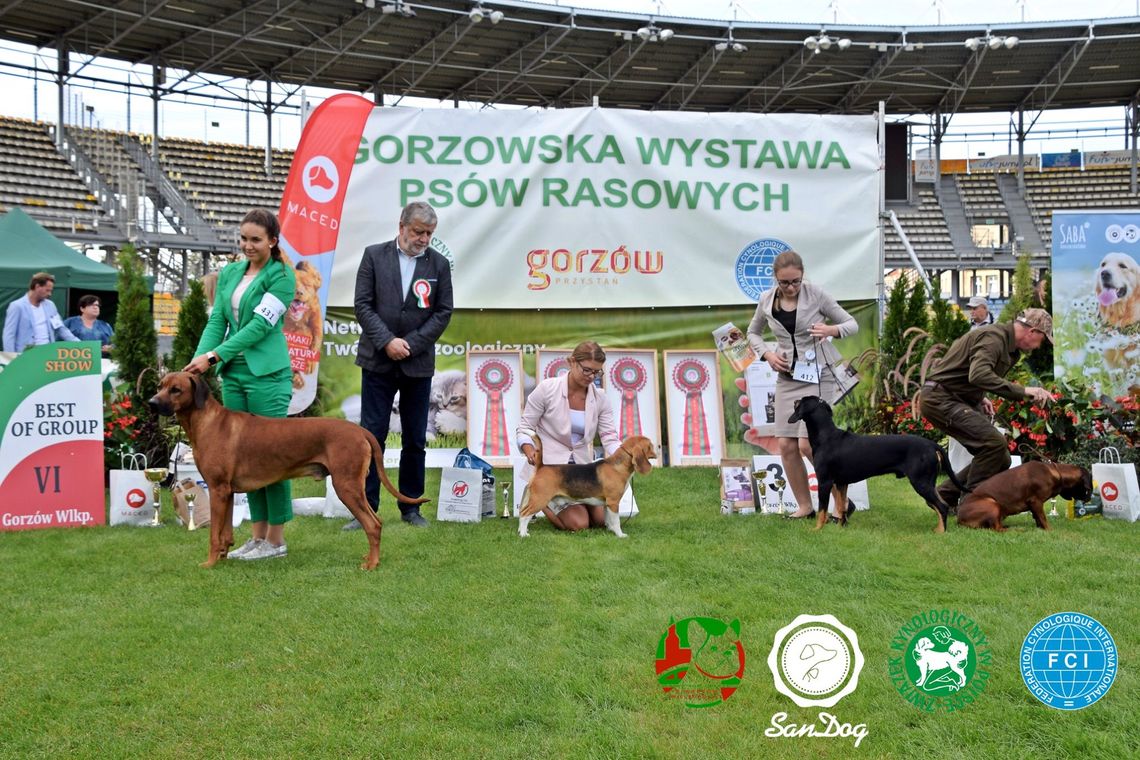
787, 320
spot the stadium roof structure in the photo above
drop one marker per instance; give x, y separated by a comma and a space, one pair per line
527, 54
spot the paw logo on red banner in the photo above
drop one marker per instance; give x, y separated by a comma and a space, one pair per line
1109, 491
459, 489
320, 179
135, 498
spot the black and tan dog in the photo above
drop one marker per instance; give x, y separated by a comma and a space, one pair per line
842, 458
600, 483
1023, 489
238, 451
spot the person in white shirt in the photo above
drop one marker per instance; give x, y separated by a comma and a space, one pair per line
33, 320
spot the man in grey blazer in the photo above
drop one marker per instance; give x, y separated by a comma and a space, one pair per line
403, 304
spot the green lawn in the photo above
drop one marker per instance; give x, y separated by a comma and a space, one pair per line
469, 642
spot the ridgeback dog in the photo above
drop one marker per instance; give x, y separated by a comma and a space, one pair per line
600, 483
1023, 489
842, 458
238, 451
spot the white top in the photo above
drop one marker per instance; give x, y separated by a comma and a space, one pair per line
41, 332
577, 426
239, 291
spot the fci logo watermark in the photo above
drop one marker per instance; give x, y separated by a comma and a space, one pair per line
941, 661
815, 662
1068, 660
700, 660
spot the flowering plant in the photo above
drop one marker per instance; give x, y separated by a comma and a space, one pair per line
120, 431
1052, 431
900, 417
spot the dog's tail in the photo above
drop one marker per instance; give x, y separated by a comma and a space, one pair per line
378, 458
944, 461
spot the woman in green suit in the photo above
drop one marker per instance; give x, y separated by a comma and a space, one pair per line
244, 340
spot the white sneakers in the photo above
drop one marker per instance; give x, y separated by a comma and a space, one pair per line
257, 548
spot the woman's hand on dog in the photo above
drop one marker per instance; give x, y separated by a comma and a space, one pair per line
528, 452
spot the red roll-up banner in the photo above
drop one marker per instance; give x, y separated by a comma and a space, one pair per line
310, 217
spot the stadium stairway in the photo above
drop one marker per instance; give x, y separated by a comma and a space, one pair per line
955, 214
1020, 218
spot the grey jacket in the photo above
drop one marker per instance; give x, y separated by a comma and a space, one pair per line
814, 305
384, 313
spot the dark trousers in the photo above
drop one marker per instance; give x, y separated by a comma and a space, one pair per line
377, 391
974, 430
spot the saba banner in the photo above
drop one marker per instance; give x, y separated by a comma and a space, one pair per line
577, 211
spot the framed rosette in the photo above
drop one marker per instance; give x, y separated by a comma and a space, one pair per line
631, 387
551, 363
494, 403
693, 407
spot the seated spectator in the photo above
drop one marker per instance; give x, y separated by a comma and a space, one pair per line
88, 326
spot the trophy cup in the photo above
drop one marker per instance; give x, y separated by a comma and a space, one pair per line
780, 484
156, 475
506, 500
1053, 510
760, 491
191, 495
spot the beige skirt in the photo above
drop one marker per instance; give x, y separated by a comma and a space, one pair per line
789, 391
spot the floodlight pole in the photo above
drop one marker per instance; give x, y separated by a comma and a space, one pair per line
1135, 130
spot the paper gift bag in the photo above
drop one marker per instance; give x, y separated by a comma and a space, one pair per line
1116, 483
191, 483
132, 495
460, 495
465, 459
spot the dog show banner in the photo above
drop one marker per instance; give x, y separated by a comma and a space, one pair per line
51, 452
603, 208
1096, 299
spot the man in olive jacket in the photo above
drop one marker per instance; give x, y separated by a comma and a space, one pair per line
954, 395
403, 303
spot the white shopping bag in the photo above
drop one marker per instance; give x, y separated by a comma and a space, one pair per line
1116, 482
460, 495
960, 457
772, 467
132, 495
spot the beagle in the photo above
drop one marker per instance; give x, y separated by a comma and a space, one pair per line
601, 483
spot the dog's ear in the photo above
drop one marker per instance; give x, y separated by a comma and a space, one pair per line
201, 391
641, 457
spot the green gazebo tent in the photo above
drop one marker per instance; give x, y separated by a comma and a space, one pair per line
26, 248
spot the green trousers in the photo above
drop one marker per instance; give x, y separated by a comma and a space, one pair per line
974, 430
267, 396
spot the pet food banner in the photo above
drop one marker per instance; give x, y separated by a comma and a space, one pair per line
1096, 299
603, 208
310, 222
51, 452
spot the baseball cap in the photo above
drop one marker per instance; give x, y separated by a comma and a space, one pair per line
1037, 319
978, 301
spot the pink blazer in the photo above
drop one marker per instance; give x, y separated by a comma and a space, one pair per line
547, 413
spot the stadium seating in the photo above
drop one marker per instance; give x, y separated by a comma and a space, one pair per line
37, 178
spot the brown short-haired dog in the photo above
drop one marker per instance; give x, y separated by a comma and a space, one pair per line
599, 483
238, 451
1023, 489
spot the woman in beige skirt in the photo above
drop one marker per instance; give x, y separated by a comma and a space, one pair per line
803, 318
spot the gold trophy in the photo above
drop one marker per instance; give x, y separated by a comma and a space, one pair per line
156, 475
780, 484
506, 500
191, 495
760, 491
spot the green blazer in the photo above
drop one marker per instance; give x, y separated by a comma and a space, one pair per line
257, 333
